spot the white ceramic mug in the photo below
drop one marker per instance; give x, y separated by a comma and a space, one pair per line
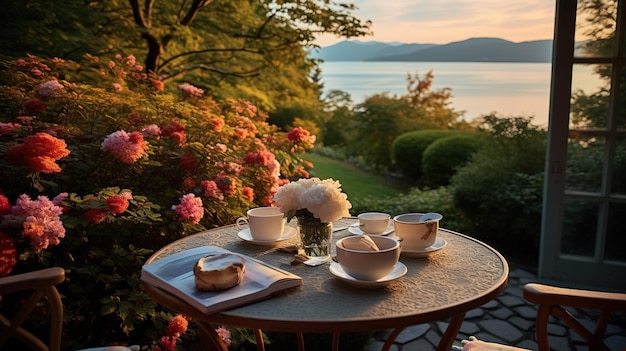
265, 223
416, 236
373, 222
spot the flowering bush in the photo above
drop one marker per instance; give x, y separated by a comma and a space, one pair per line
101, 165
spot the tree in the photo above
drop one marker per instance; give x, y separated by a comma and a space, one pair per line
435, 104
254, 49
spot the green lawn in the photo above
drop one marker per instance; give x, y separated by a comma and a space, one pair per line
357, 184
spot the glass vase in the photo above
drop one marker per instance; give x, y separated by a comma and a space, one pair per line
314, 237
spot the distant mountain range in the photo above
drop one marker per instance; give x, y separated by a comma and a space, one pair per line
470, 50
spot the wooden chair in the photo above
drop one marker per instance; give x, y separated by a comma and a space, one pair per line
41, 284
554, 300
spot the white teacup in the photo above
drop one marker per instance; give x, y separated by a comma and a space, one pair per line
265, 223
365, 264
415, 235
373, 222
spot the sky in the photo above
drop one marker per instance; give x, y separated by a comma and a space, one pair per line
445, 21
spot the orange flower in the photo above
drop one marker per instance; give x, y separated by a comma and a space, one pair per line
177, 326
39, 153
117, 203
8, 254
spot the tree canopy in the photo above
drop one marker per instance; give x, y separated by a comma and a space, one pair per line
256, 49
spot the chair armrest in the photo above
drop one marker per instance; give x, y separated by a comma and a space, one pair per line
551, 295
32, 280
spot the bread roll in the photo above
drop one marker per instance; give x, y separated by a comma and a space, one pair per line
219, 272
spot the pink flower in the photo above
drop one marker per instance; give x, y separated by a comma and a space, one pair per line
6, 128
248, 193
166, 343
41, 221
117, 87
299, 134
211, 190
190, 209
190, 90
221, 147
50, 88
125, 147
224, 334
151, 131
130, 60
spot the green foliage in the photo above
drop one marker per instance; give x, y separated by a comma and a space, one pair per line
444, 156
254, 50
501, 189
408, 149
118, 200
379, 120
415, 200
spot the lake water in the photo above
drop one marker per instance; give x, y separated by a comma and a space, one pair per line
478, 88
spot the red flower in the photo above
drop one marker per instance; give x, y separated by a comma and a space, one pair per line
226, 184
8, 254
5, 205
117, 203
189, 183
261, 158
95, 215
39, 153
158, 85
35, 105
218, 124
188, 162
175, 130
298, 134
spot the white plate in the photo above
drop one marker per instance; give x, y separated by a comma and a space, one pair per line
354, 229
438, 245
399, 270
288, 233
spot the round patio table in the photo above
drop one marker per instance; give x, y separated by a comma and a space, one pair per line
463, 275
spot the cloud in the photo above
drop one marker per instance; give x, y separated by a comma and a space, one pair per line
444, 21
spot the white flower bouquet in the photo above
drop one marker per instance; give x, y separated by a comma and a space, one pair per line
321, 199
316, 203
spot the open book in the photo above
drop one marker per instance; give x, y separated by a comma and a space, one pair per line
174, 274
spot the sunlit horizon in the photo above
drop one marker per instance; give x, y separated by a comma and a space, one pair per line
446, 21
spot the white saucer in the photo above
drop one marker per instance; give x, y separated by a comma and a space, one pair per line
438, 245
399, 270
354, 229
288, 233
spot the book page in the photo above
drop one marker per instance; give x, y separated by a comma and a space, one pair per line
175, 275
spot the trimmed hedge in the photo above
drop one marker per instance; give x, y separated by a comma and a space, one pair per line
407, 150
443, 157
